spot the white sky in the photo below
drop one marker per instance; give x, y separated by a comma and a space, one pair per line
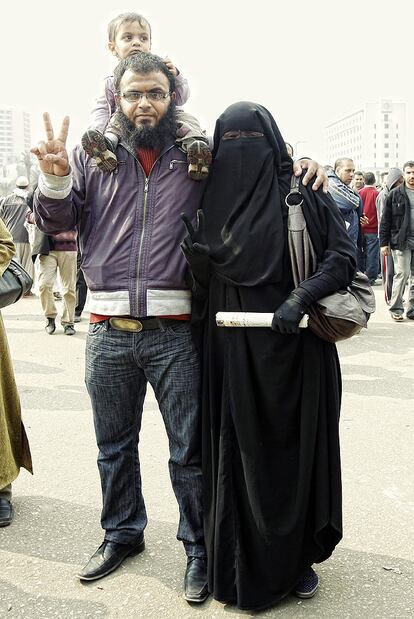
308, 62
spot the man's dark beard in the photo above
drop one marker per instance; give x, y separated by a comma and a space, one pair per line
163, 134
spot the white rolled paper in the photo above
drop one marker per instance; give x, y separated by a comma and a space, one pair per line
250, 319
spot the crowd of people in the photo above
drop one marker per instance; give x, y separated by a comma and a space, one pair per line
252, 418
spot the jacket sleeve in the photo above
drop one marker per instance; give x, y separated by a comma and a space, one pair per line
385, 224
104, 107
58, 201
337, 263
182, 90
379, 203
7, 249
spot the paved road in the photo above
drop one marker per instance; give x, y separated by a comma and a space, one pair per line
56, 526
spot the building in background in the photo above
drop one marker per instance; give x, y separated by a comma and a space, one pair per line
15, 135
374, 137
15, 144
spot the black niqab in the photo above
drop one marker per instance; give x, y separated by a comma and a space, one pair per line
245, 196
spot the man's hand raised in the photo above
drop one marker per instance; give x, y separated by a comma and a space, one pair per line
52, 154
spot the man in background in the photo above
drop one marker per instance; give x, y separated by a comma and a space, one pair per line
13, 210
358, 181
347, 200
397, 238
369, 226
389, 180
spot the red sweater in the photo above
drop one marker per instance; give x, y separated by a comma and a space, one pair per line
369, 195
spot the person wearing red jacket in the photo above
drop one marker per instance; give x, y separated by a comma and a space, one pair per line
369, 195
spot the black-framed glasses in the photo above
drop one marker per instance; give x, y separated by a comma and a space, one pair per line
134, 96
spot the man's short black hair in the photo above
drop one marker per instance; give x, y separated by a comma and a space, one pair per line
408, 164
369, 178
358, 172
142, 63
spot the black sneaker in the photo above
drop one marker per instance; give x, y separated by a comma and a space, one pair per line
78, 318
307, 585
97, 147
50, 326
69, 330
199, 160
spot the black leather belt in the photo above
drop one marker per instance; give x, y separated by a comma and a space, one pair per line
140, 324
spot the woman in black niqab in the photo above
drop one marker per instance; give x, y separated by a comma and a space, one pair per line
251, 178
270, 403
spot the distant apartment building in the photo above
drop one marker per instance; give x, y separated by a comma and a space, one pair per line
14, 133
373, 136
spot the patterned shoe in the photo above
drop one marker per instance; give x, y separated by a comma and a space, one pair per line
95, 145
307, 585
199, 160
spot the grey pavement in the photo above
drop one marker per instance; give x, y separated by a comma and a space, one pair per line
56, 526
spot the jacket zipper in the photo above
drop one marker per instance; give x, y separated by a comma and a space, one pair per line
146, 188
141, 241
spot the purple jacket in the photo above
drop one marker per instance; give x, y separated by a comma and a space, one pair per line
105, 104
129, 229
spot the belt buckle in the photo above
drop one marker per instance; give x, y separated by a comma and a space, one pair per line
126, 324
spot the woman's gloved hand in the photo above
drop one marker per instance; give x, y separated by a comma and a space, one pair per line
287, 317
195, 248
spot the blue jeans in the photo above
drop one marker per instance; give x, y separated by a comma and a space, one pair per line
372, 255
118, 366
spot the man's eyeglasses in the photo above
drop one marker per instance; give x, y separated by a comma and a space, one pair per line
133, 96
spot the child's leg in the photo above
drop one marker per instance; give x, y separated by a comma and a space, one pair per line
195, 142
101, 147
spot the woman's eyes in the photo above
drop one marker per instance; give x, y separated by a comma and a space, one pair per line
235, 135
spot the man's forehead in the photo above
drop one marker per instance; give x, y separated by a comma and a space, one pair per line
409, 169
149, 81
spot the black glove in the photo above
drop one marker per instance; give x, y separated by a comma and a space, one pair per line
196, 250
287, 317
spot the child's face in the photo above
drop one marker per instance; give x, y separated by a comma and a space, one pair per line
131, 38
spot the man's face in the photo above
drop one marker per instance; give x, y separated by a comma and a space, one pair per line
346, 171
358, 182
408, 174
130, 39
144, 111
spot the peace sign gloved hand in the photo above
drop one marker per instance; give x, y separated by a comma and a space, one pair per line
196, 250
51, 154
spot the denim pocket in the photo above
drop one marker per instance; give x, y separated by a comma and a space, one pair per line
180, 329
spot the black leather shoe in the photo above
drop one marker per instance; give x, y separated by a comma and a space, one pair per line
195, 580
6, 512
108, 557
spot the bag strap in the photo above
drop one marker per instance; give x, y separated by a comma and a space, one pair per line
302, 254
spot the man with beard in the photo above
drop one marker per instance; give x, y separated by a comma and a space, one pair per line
129, 234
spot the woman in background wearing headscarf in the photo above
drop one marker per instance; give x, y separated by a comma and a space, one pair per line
271, 398
14, 448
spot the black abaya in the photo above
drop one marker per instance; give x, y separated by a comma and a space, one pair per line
272, 482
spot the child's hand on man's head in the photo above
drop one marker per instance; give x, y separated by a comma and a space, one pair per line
171, 66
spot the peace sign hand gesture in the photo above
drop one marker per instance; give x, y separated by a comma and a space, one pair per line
52, 154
